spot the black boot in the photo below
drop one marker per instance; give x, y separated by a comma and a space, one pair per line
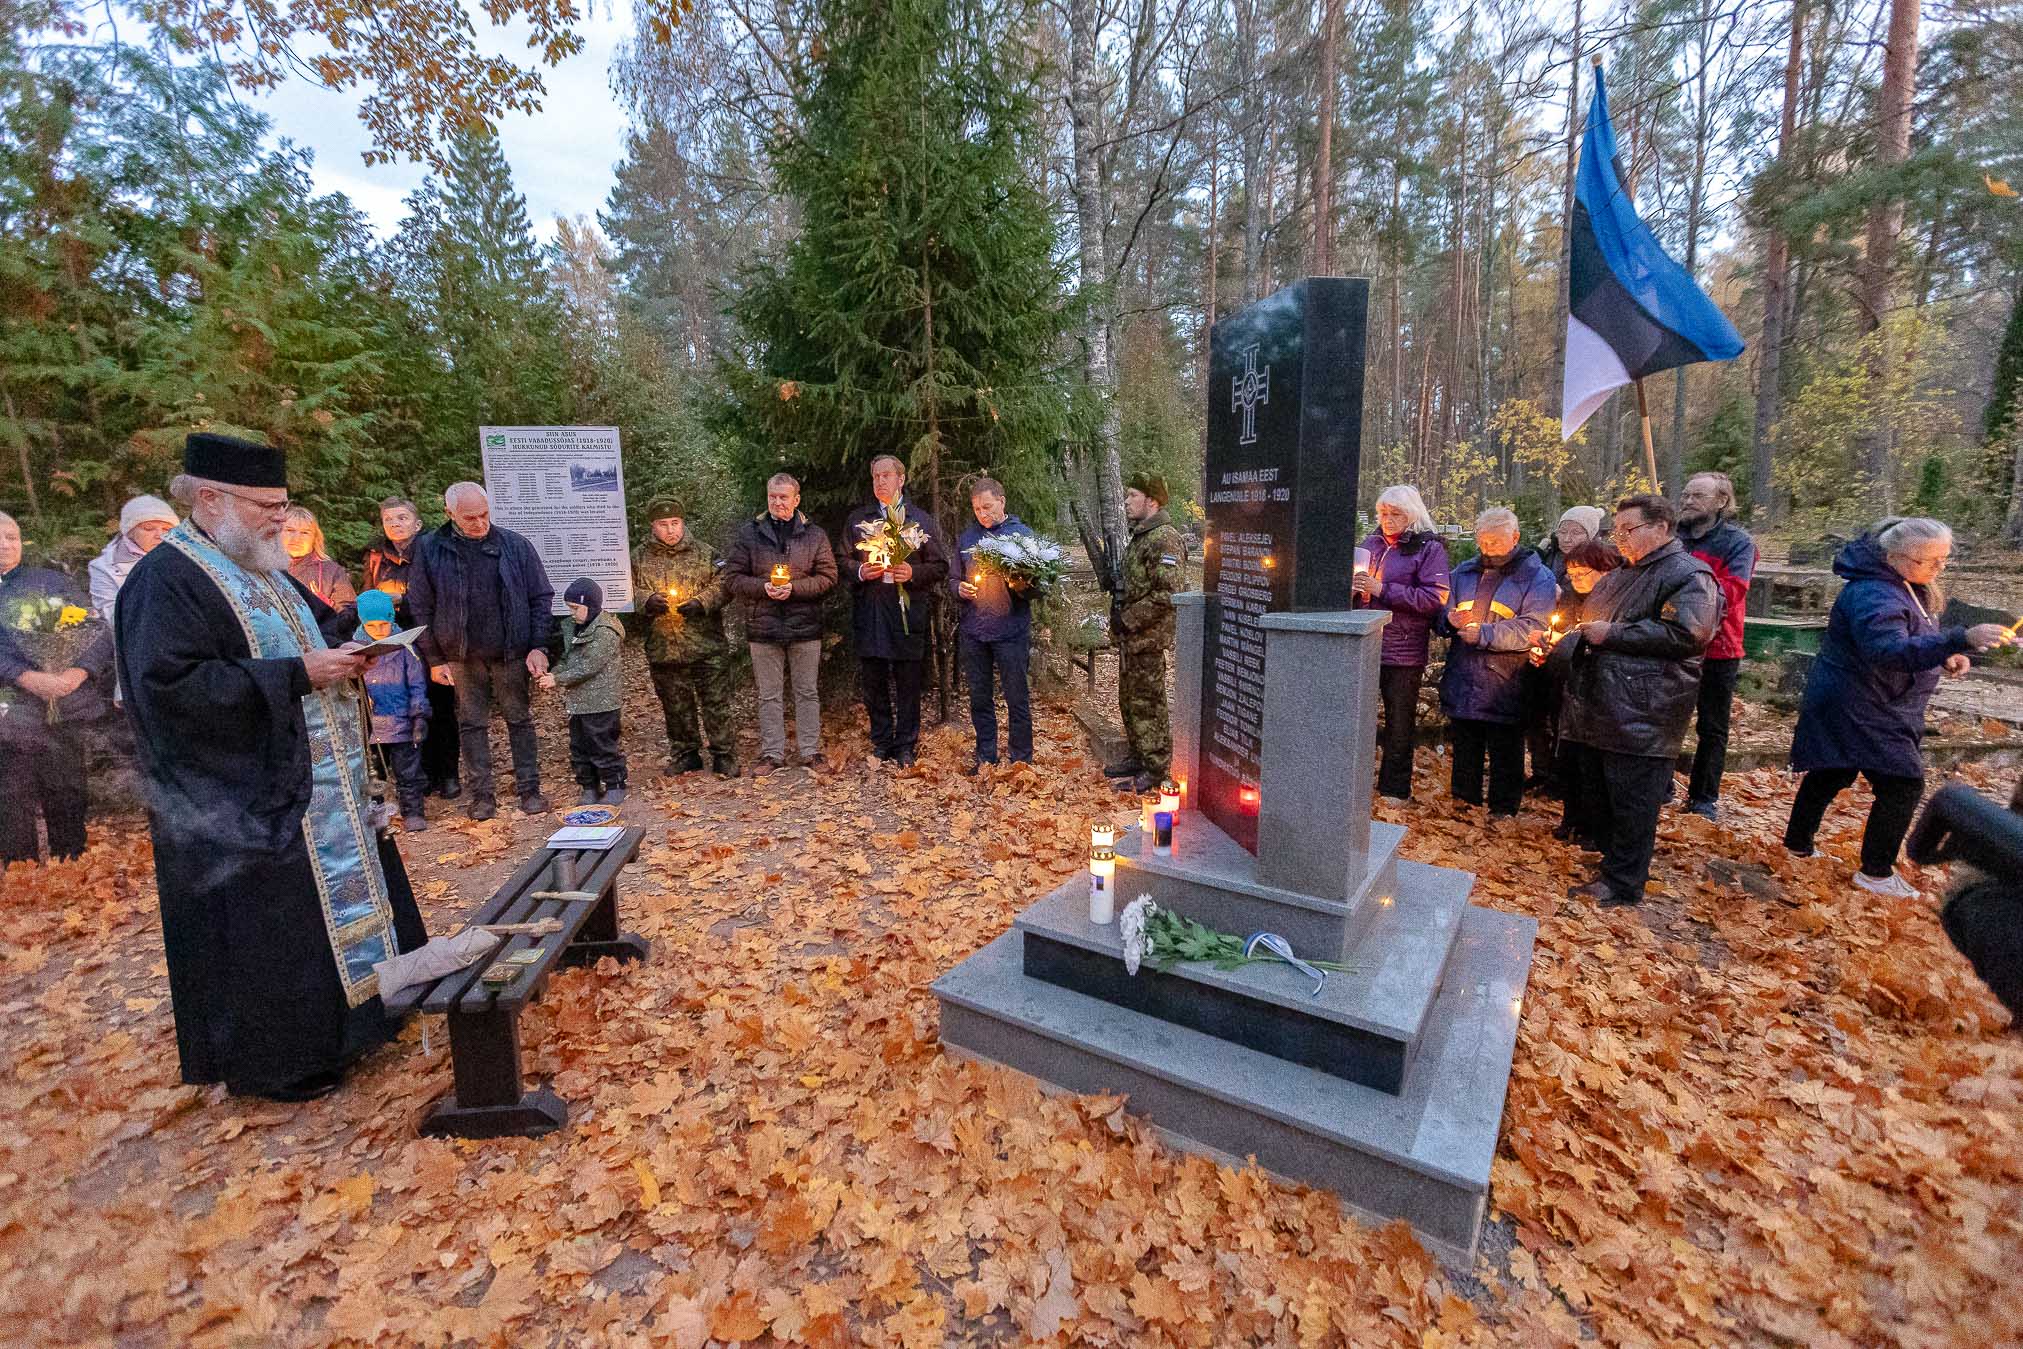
689, 762
1130, 768
725, 765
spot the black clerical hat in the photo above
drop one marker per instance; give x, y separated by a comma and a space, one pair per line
239, 463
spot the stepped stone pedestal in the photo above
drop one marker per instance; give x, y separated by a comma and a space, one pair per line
1385, 1087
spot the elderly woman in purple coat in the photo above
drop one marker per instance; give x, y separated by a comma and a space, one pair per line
1407, 574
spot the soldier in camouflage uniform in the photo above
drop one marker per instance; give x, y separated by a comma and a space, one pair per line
681, 581
1142, 626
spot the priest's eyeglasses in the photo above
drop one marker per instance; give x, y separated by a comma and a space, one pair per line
270, 507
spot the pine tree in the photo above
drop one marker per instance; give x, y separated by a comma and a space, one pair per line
922, 309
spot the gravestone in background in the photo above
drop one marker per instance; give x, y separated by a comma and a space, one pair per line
1285, 413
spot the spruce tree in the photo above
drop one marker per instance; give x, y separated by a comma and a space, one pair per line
922, 310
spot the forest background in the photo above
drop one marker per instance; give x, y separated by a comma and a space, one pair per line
992, 236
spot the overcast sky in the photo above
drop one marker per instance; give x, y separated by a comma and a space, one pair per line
562, 156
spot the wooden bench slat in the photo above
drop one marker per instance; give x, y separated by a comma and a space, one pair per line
509, 905
602, 875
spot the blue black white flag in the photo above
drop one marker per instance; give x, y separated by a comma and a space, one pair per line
1631, 311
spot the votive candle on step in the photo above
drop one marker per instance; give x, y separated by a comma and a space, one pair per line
1162, 833
1145, 818
1169, 798
1102, 891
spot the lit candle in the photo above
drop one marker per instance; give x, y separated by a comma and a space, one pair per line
1145, 817
1362, 561
782, 576
1162, 833
1247, 798
1169, 798
1102, 873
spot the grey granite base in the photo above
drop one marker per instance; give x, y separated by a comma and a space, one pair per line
1213, 879
1423, 1155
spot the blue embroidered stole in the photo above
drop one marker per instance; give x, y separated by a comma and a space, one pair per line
343, 854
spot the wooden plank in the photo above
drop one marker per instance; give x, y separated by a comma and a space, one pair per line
602, 875
509, 905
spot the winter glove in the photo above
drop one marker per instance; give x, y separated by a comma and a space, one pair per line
688, 609
655, 606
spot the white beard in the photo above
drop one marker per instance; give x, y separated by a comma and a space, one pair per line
245, 546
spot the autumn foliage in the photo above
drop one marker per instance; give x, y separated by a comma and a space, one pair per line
1762, 1109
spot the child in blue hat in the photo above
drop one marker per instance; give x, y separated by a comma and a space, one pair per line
398, 685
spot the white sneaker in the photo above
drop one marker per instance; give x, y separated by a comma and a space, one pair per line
1892, 885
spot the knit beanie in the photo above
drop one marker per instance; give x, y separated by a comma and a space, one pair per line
1587, 517
375, 606
586, 592
142, 509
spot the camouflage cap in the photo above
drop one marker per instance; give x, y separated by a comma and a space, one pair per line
1151, 484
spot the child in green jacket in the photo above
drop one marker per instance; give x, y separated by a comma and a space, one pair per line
590, 672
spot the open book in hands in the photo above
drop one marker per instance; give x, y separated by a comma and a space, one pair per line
387, 645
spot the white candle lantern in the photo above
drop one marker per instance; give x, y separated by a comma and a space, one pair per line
1169, 798
1102, 873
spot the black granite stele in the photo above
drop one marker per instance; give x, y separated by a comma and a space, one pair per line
1339, 1050
1285, 416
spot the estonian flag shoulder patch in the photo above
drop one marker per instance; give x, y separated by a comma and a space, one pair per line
1168, 560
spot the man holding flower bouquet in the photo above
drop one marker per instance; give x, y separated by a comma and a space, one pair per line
900, 560
53, 656
994, 588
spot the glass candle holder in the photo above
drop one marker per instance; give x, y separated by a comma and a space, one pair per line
1162, 833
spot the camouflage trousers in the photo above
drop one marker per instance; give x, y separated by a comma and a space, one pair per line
1141, 697
689, 687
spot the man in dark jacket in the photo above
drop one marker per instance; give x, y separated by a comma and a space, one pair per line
781, 566
1634, 682
995, 630
389, 562
486, 599
889, 608
1707, 528
1502, 600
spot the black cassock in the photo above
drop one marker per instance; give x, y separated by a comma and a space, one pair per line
225, 749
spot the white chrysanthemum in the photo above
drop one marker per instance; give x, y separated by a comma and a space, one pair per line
1132, 923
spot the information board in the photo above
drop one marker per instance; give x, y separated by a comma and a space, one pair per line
563, 487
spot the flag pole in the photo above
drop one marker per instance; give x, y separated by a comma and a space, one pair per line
1650, 456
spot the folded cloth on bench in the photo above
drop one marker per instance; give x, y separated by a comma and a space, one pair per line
435, 958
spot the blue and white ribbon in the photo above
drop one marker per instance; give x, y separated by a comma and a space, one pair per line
1282, 948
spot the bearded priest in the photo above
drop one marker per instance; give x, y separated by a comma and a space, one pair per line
278, 889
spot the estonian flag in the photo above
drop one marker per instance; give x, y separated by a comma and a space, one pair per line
1631, 310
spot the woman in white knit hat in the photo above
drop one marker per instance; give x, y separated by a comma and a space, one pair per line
142, 523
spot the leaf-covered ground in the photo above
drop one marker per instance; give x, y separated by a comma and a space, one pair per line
1762, 1109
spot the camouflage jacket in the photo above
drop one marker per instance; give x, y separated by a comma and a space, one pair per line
590, 672
693, 570
1153, 573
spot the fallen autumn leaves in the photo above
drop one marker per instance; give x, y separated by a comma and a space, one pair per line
1781, 1115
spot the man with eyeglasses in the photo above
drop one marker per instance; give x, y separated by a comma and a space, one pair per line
279, 891
1634, 683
